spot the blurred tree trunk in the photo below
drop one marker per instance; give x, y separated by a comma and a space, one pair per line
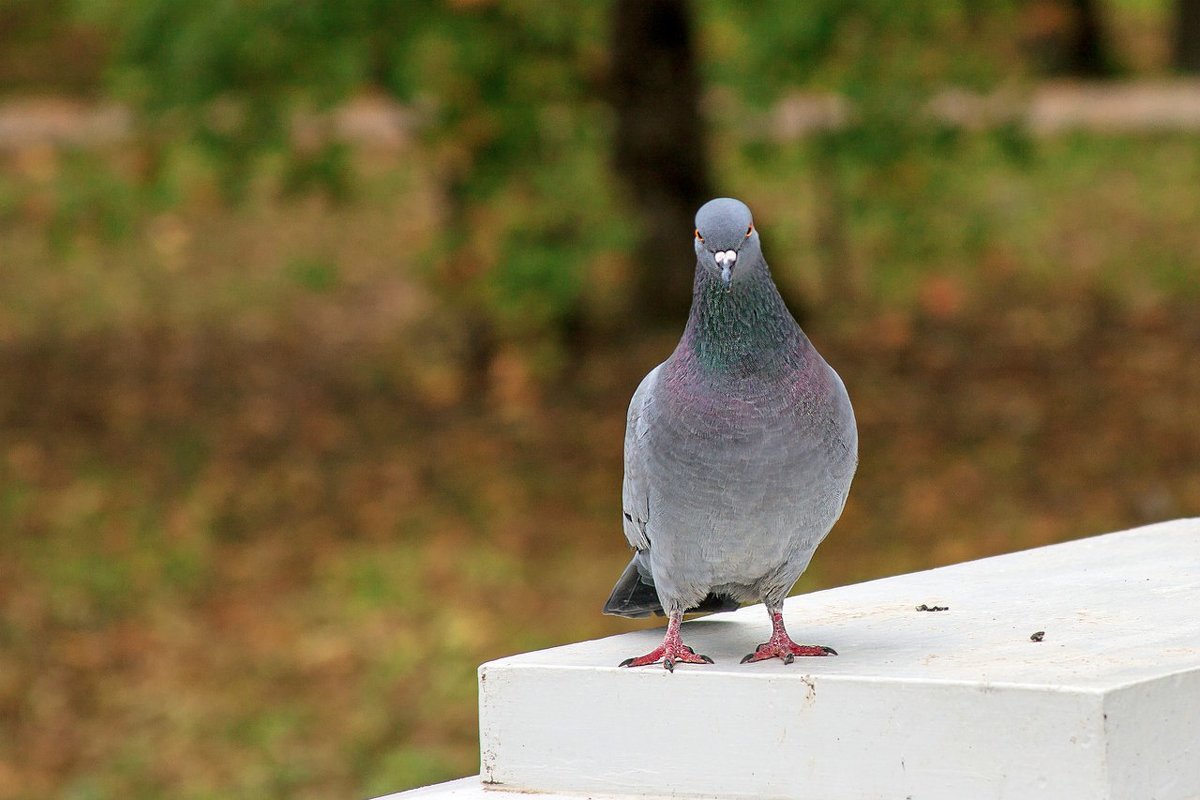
1066, 37
1086, 52
660, 148
1185, 55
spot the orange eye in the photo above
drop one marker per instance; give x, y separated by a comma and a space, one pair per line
698, 236
749, 230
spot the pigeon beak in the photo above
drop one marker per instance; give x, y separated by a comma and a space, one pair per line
725, 260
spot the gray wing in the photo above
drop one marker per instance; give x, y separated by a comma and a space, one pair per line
635, 490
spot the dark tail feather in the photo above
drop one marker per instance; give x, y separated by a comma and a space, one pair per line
634, 596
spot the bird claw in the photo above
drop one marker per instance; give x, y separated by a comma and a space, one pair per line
670, 656
786, 651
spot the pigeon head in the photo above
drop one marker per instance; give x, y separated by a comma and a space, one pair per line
726, 241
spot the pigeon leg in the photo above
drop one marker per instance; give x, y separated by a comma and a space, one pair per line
780, 645
671, 651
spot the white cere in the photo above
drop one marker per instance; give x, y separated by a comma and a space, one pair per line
723, 257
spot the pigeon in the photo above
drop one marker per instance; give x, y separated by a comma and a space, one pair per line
739, 452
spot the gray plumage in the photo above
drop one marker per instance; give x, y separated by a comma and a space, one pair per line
739, 448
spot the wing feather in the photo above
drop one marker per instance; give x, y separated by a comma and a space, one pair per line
635, 490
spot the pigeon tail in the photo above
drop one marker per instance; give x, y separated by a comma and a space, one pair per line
635, 597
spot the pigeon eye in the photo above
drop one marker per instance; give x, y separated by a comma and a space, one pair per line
750, 230
698, 236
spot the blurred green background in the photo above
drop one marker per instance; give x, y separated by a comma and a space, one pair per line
318, 322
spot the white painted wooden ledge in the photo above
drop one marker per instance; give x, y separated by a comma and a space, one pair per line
948, 705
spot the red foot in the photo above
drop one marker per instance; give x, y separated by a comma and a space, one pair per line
787, 651
671, 651
780, 645
669, 657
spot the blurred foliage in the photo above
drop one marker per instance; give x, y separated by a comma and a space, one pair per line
260, 517
875, 53
891, 157
509, 105
509, 95
43, 45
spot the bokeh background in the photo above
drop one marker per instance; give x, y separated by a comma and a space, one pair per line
318, 322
